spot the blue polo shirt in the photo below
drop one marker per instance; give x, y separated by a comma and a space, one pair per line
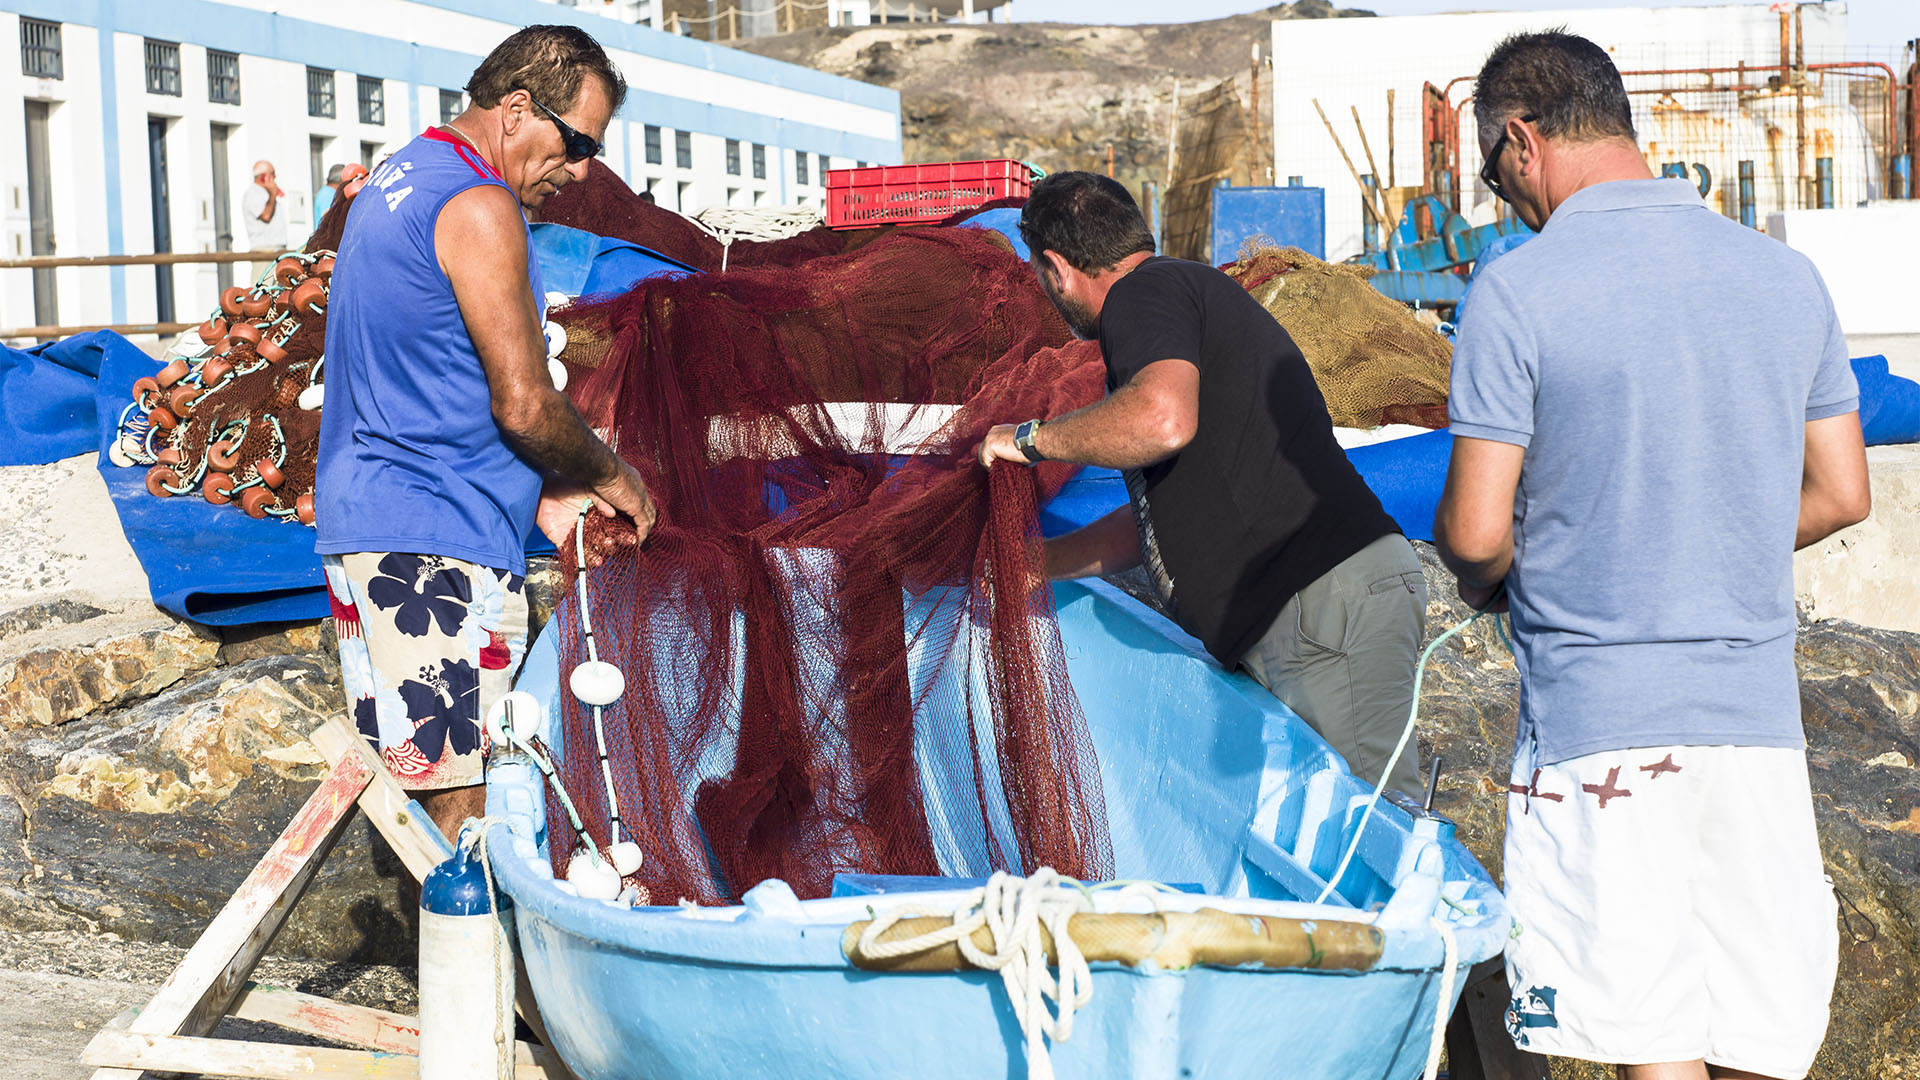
1659, 363
410, 458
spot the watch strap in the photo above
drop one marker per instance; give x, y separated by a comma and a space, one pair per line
1023, 438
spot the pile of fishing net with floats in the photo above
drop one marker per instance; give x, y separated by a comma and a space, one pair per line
234, 416
838, 643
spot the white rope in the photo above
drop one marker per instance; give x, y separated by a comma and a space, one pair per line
615, 826
504, 1049
1442, 1008
758, 223
1013, 909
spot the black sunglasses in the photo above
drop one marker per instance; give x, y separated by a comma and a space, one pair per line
580, 146
1487, 173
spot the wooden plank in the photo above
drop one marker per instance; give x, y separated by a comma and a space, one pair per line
355, 1025
209, 977
118, 328
257, 1061
410, 833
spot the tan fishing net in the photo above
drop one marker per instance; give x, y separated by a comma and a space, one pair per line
1375, 362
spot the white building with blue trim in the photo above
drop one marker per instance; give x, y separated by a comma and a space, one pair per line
130, 126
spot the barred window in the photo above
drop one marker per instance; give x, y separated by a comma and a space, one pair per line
320, 92
759, 162
373, 100
653, 145
223, 77
40, 56
452, 104
683, 149
733, 157
800, 166
163, 67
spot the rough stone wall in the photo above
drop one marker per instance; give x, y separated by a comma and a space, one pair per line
1055, 95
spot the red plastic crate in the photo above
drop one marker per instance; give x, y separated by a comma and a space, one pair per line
919, 194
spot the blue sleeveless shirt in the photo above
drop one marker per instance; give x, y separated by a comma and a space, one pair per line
410, 457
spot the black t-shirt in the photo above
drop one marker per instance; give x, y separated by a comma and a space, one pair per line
1263, 500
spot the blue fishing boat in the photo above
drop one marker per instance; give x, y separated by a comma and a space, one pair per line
1212, 786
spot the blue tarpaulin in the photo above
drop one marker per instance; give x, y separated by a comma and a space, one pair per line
47, 396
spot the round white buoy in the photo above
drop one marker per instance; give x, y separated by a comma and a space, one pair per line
523, 709
593, 878
597, 682
466, 976
556, 339
312, 396
117, 453
557, 299
626, 857
557, 371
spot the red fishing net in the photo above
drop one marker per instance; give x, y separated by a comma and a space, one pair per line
837, 660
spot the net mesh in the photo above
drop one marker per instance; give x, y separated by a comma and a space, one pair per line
838, 660
1374, 361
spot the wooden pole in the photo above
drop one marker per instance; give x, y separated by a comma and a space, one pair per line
1392, 178
1366, 194
165, 258
733, 24
1109, 161
1173, 130
1365, 146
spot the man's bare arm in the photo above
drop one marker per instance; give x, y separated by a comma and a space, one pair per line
489, 277
1473, 527
1106, 546
1148, 420
1834, 488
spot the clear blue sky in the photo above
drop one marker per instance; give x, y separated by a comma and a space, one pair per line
1880, 23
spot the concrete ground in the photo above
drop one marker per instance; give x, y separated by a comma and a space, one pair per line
62, 987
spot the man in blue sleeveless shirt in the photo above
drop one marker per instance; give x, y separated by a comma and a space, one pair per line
441, 425
1652, 409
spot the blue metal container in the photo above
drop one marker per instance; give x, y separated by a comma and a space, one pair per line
1289, 216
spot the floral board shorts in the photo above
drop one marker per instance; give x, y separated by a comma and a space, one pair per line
427, 644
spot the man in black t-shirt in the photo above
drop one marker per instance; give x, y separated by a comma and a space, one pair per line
1261, 539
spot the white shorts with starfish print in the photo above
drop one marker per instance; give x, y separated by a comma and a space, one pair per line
1671, 906
427, 645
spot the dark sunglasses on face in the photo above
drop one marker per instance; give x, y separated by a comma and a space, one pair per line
580, 146
1488, 175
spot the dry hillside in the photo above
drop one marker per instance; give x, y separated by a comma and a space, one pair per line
1049, 93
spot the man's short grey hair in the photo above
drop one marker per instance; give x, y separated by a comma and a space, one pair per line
333, 174
1565, 80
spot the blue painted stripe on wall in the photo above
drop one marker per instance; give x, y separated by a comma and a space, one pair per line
279, 37
110, 136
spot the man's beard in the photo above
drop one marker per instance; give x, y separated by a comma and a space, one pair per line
1083, 322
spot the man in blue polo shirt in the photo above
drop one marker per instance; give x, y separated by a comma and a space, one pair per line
441, 423
1652, 409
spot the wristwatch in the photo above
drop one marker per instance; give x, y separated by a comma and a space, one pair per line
1023, 438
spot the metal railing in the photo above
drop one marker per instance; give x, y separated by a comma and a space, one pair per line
49, 262
373, 100
163, 67
320, 92
223, 77
730, 17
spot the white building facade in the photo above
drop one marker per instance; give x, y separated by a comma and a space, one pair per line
1346, 64
131, 126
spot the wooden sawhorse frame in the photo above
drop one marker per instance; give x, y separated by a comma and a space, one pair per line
170, 1033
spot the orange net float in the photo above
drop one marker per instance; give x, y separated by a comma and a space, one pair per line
289, 269
270, 473
245, 332
310, 298
303, 508
217, 488
213, 330
230, 300
271, 351
172, 373
224, 455
254, 501
170, 457
163, 418
160, 478
255, 304
143, 388
180, 400
214, 371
